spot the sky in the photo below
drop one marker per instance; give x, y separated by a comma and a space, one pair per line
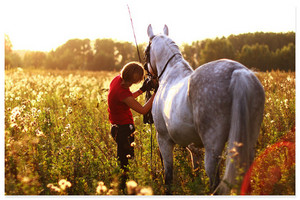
43, 25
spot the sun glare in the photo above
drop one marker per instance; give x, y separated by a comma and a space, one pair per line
45, 25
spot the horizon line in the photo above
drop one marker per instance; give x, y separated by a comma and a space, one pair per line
141, 43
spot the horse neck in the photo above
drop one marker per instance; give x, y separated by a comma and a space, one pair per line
176, 70
177, 67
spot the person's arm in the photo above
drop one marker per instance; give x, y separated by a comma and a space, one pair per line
137, 93
136, 106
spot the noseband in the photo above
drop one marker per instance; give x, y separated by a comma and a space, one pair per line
148, 61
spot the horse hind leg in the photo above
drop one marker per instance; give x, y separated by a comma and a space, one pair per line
214, 142
212, 161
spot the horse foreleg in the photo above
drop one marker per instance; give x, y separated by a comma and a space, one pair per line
166, 149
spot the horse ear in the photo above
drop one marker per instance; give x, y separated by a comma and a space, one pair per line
150, 31
166, 30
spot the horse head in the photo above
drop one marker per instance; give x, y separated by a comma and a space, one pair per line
160, 50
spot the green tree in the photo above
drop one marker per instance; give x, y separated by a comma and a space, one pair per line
284, 58
273, 40
7, 44
192, 53
217, 49
104, 57
124, 53
35, 59
255, 56
12, 59
74, 54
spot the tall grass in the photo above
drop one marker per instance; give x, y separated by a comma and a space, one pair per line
57, 135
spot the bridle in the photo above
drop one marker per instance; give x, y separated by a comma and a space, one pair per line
148, 61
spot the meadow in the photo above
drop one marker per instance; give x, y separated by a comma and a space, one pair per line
57, 139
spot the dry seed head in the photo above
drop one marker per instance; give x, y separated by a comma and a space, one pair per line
110, 192
131, 186
25, 179
133, 144
233, 150
238, 144
55, 189
63, 183
101, 183
146, 191
101, 189
15, 111
39, 133
14, 125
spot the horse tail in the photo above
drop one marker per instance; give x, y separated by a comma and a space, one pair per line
239, 141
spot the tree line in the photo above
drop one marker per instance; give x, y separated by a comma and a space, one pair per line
261, 51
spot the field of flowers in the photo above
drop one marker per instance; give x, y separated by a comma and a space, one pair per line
57, 139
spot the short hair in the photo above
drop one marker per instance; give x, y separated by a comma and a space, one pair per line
132, 72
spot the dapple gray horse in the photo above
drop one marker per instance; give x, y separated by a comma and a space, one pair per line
221, 101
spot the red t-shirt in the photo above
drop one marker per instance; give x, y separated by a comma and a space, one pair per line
119, 112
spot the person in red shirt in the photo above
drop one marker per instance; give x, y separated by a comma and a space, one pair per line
120, 101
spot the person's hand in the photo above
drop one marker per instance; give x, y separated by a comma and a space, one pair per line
146, 85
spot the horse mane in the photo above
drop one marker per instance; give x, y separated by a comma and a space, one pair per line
172, 45
175, 49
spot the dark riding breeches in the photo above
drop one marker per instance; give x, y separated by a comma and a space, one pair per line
124, 136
